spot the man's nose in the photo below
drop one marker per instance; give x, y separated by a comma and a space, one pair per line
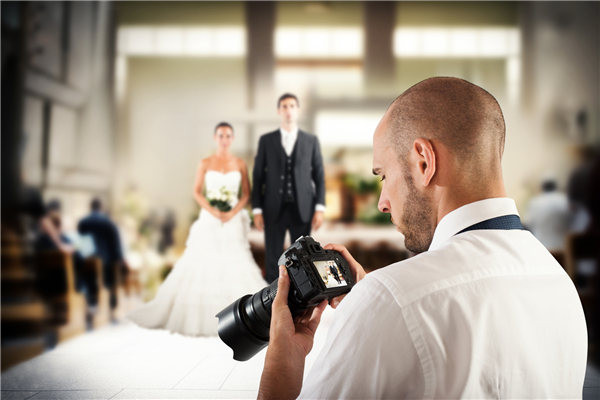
384, 203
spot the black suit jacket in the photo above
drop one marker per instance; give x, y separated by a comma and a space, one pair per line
106, 237
268, 175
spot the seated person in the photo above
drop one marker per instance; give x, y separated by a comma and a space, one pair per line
483, 311
45, 241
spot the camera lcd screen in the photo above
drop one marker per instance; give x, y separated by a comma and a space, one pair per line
330, 273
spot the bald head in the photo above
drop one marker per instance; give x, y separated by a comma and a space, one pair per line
463, 117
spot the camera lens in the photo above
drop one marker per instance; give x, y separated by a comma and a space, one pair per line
244, 324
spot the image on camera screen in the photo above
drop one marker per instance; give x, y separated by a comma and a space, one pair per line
330, 273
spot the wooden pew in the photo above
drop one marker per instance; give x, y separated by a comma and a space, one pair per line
128, 291
24, 315
56, 284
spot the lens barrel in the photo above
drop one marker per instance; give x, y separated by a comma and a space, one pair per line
244, 324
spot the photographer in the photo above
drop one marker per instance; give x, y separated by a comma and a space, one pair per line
484, 311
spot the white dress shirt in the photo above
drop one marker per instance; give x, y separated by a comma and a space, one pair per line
482, 314
288, 141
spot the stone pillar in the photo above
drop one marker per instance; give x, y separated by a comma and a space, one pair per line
260, 59
526, 26
379, 62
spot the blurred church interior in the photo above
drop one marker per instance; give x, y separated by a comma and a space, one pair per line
117, 101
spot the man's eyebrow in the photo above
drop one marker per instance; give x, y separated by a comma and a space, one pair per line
376, 171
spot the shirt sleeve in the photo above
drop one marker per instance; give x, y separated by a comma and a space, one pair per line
320, 207
368, 353
256, 211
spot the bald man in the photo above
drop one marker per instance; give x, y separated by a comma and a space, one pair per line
484, 311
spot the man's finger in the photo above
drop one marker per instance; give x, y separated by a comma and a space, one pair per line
315, 318
336, 301
357, 269
283, 287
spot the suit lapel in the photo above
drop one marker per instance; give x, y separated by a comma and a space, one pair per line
301, 146
278, 148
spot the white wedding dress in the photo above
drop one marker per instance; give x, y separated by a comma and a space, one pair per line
215, 269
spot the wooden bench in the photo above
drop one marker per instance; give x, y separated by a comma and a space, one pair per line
56, 285
24, 315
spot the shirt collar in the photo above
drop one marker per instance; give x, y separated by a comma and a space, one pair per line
292, 133
470, 214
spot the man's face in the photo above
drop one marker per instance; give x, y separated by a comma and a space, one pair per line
410, 210
288, 111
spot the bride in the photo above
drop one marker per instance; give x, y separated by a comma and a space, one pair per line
217, 266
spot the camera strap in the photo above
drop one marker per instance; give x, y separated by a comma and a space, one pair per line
505, 222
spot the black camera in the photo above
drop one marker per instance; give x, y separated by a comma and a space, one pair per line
315, 274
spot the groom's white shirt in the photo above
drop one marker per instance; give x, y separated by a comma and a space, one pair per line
288, 141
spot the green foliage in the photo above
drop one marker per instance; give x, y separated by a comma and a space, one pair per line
371, 215
220, 205
360, 185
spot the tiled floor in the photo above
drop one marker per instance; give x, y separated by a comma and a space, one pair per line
126, 362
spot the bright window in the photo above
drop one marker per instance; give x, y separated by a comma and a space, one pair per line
456, 42
296, 42
344, 128
182, 41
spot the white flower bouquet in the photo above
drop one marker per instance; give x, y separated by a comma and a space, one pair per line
220, 199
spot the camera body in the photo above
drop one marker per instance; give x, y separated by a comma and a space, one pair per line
315, 275
310, 269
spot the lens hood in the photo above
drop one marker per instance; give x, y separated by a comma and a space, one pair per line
234, 332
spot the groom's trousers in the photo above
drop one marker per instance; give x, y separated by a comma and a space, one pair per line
289, 219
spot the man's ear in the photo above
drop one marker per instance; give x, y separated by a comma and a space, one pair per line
424, 155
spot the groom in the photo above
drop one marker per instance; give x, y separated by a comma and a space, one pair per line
288, 183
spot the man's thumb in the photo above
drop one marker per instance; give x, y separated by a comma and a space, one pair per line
283, 288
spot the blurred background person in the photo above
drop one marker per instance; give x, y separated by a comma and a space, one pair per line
579, 186
45, 241
107, 244
549, 216
217, 266
167, 227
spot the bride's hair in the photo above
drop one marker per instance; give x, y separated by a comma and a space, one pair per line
223, 124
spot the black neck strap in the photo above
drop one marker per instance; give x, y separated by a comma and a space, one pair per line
505, 222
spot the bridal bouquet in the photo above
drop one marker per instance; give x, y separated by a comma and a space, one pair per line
220, 199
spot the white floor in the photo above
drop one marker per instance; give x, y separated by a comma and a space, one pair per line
126, 362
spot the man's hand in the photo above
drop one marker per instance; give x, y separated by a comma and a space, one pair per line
358, 272
317, 220
259, 223
291, 341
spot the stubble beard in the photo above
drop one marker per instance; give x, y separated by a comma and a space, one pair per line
417, 216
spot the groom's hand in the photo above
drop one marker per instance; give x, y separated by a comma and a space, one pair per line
259, 223
317, 220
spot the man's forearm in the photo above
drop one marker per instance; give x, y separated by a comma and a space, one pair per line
282, 374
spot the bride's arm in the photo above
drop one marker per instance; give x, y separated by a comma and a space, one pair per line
245, 193
198, 185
